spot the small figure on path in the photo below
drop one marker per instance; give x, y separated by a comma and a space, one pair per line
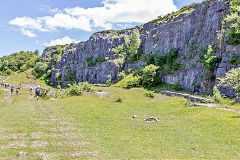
12, 89
30, 90
38, 92
17, 90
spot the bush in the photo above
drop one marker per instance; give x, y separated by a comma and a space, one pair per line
217, 95
44, 93
129, 82
74, 90
149, 75
134, 46
59, 87
235, 59
232, 79
90, 62
77, 89
41, 68
149, 59
122, 75
71, 77
109, 81
118, 100
99, 60
149, 94
85, 85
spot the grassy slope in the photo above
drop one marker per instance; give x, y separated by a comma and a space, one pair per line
196, 132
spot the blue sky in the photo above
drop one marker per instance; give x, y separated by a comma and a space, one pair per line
35, 24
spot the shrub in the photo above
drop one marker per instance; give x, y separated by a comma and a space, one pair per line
149, 75
169, 59
177, 87
217, 95
134, 46
209, 61
232, 23
120, 50
235, 59
109, 81
41, 68
149, 59
122, 75
71, 77
59, 87
44, 93
90, 62
58, 76
99, 59
85, 85
118, 100
149, 94
77, 89
129, 82
232, 79
74, 90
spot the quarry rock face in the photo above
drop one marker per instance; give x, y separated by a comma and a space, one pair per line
188, 32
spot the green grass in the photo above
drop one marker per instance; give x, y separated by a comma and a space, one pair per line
195, 133
24, 77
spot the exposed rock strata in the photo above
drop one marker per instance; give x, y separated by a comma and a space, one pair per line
197, 28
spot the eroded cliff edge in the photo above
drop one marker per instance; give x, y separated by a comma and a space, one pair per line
189, 30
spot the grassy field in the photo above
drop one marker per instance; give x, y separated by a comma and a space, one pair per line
95, 126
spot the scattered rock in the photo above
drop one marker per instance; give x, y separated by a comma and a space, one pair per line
202, 105
173, 118
189, 97
53, 99
134, 116
22, 153
151, 119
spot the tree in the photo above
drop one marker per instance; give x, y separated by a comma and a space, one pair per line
134, 45
36, 52
232, 79
149, 75
41, 67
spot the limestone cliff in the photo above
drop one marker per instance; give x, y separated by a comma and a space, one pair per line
189, 30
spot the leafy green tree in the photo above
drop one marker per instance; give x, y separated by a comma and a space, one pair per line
41, 67
217, 95
232, 79
149, 75
122, 75
36, 52
134, 45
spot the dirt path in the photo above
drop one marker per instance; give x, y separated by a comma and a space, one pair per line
214, 106
53, 130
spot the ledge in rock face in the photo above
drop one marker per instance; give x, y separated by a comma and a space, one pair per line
189, 97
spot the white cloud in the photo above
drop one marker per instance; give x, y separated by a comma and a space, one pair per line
47, 9
28, 33
68, 22
113, 12
64, 40
124, 11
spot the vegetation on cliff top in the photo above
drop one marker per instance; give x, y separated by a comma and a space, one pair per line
18, 62
231, 23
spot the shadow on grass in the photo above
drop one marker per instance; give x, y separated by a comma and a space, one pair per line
235, 117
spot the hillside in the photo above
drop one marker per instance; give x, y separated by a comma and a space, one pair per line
196, 32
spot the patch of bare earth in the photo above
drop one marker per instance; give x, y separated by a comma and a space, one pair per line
44, 156
15, 145
18, 136
38, 144
94, 154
